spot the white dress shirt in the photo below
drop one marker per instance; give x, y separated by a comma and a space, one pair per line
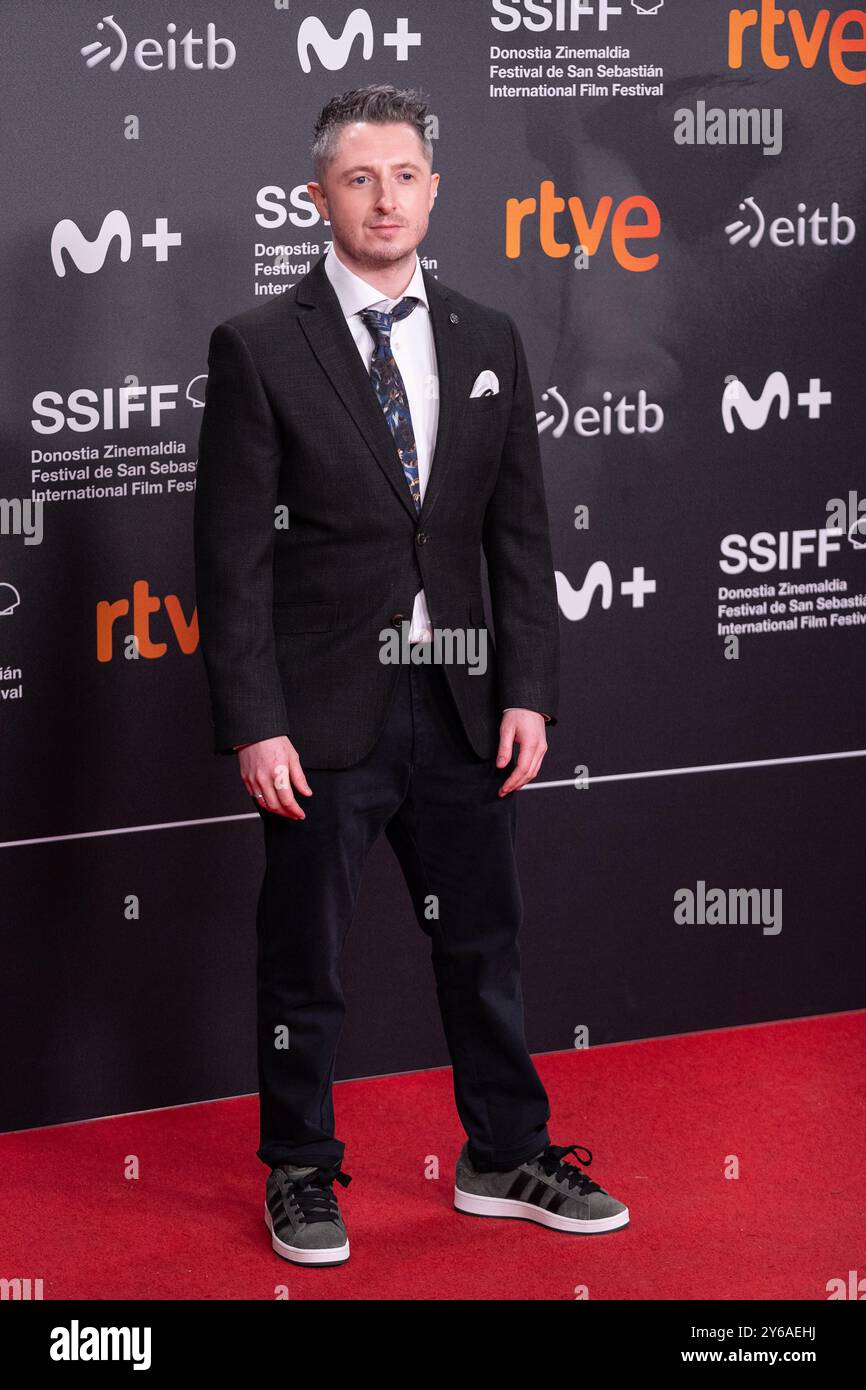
414, 352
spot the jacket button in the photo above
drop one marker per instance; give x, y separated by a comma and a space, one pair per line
396, 618
421, 537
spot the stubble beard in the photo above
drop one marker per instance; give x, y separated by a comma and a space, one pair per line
377, 257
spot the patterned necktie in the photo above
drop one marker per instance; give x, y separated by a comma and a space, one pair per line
385, 376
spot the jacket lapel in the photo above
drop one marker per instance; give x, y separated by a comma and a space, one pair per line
330, 338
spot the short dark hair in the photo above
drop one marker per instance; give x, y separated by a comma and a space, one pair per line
378, 102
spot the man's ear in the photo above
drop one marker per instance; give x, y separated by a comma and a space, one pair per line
321, 193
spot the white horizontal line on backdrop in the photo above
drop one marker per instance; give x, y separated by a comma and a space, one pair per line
533, 786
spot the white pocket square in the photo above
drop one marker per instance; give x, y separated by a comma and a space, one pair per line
486, 384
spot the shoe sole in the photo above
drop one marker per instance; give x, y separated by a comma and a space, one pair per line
335, 1255
477, 1205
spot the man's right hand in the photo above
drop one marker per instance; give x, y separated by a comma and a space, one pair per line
272, 767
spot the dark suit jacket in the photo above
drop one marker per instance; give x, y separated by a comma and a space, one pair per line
290, 619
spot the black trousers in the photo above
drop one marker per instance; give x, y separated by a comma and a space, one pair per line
437, 802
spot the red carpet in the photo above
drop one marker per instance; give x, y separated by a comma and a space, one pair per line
662, 1119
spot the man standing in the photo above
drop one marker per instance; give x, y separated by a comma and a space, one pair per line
365, 435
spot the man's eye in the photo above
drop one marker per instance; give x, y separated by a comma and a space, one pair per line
406, 174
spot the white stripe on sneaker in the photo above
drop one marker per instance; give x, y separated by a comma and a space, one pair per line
336, 1254
503, 1206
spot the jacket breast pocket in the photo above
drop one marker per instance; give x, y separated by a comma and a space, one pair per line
317, 616
476, 405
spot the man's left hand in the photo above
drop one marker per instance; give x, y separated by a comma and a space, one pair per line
526, 728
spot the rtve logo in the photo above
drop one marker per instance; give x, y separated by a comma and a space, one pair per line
88, 255
334, 52
587, 234
807, 45
152, 56
138, 642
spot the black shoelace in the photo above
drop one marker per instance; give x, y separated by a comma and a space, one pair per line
314, 1194
553, 1163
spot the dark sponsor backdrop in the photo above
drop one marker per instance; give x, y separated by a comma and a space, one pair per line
128, 956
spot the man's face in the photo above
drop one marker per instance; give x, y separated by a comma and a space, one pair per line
377, 193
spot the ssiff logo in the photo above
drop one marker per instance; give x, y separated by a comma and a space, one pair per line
561, 15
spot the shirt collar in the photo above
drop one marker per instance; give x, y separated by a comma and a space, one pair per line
355, 294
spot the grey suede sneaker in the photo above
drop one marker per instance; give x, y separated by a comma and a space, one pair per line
302, 1215
545, 1189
